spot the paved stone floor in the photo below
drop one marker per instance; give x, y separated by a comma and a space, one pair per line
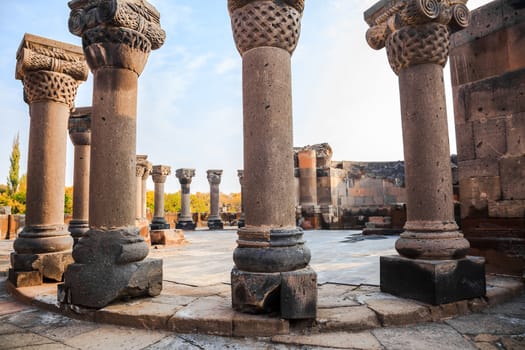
347, 272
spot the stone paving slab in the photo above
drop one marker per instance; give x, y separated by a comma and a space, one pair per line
339, 340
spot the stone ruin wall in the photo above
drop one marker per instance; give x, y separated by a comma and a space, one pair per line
487, 63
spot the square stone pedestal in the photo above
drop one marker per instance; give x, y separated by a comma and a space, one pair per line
97, 285
185, 225
292, 294
32, 269
433, 281
167, 237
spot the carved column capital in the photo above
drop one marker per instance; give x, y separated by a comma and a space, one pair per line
79, 126
50, 70
116, 33
214, 176
185, 175
258, 23
415, 31
240, 174
160, 172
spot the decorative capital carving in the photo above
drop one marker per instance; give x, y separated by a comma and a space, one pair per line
107, 25
49, 69
79, 126
160, 172
214, 176
240, 174
140, 170
185, 175
143, 166
415, 31
258, 23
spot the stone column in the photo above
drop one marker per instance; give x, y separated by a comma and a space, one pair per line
80, 134
117, 36
433, 266
142, 170
271, 272
185, 220
214, 179
240, 174
51, 72
159, 174
310, 211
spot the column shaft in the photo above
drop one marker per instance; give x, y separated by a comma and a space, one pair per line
159, 200
307, 177
81, 183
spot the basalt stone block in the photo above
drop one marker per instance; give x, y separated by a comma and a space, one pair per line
299, 294
254, 292
97, 285
158, 226
25, 278
185, 225
215, 224
49, 265
433, 281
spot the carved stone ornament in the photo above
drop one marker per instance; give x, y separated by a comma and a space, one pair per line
185, 175
258, 23
79, 126
137, 15
415, 31
214, 176
50, 70
240, 174
159, 173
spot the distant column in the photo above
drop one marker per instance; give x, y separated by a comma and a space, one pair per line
271, 272
80, 134
185, 221
214, 179
240, 174
433, 264
144, 190
51, 72
310, 211
140, 170
117, 37
159, 174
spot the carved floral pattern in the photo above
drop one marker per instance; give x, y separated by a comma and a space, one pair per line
214, 177
266, 23
185, 175
160, 172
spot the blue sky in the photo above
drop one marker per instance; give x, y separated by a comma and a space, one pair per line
189, 99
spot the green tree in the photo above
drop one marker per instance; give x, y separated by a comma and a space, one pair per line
172, 202
150, 200
14, 167
200, 202
68, 200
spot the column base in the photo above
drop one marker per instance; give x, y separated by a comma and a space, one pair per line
215, 224
97, 285
241, 222
167, 237
292, 294
433, 281
185, 225
159, 224
77, 228
33, 269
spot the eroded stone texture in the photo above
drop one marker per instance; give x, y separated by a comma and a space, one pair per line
185, 221
487, 62
214, 179
117, 37
416, 35
270, 248
51, 72
310, 210
80, 134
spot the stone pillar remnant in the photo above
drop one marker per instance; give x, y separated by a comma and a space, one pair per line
142, 170
51, 72
240, 174
310, 211
214, 179
271, 270
117, 37
433, 266
159, 173
80, 134
185, 220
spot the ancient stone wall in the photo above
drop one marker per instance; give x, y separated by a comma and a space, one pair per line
487, 62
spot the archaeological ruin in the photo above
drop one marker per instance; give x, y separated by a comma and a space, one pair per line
457, 217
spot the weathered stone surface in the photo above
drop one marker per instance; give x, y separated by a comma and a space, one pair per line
392, 312
483, 323
134, 279
434, 336
245, 325
340, 340
512, 172
350, 319
25, 278
141, 314
255, 292
167, 237
299, 294
507, 209
477, 168
212, 315
433, 281
335, 295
